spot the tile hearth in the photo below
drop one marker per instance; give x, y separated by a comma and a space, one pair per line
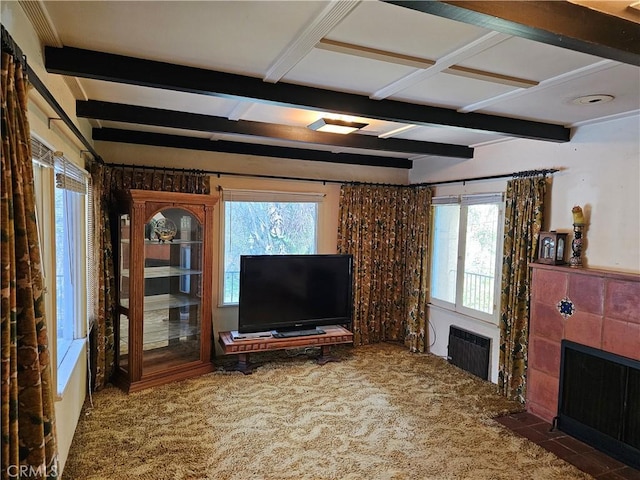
575, 452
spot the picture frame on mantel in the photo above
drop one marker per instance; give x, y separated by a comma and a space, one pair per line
551, 248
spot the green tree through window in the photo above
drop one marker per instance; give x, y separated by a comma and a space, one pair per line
265, 228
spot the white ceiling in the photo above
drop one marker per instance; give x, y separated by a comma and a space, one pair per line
375, 50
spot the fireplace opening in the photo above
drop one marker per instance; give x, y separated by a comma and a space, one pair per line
599, 401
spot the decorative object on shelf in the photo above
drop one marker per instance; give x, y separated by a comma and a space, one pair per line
566, 307
551, 248
578, 237
165, 230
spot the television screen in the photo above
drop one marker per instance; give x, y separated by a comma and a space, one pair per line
290, 292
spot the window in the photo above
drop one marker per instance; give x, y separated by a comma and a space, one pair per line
68, 213
265, 223
62, 224
465, 260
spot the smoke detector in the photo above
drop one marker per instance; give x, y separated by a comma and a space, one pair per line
592, 99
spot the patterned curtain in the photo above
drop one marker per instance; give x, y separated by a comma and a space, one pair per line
28, 417
101, 336
385, 228
417, 277
523, 220
107, 181
118, 178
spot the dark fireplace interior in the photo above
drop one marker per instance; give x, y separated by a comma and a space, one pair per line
599, 401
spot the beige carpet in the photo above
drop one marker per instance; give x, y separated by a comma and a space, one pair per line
380, 413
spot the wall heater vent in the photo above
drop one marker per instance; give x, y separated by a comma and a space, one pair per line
469, 351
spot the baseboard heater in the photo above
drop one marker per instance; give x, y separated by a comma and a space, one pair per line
469, 351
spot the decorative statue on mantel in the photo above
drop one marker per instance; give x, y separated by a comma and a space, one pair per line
578, 232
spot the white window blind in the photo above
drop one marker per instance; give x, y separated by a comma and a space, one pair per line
229, 195
445, 200
92, 260
41, 154
69, 176
481, 198
475, 199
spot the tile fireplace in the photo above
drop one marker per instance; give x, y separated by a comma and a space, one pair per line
597, 309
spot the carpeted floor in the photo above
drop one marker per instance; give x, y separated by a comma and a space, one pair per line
380, 413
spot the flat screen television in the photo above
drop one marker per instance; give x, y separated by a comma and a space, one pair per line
294, 292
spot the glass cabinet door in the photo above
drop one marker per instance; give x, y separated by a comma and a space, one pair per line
172, 313
123, 288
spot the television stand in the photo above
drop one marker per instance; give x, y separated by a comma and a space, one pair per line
333, 335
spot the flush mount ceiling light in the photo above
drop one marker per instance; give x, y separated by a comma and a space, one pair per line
333, 125
592, 99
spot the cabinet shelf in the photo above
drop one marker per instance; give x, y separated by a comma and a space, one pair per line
175, 241
166, 271
161, 302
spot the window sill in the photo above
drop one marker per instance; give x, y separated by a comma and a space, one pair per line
69, 362
492, 323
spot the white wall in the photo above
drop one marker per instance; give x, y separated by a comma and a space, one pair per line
246, 164
600, 171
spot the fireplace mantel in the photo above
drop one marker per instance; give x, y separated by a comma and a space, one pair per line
597, 308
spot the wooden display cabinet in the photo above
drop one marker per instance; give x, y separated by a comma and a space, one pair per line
163, 327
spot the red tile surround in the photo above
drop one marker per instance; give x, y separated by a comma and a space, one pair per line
606, 316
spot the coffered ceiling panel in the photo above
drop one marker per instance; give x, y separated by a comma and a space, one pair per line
383, 26
346, 73
428, 78
528, 59
452, 91
556, 103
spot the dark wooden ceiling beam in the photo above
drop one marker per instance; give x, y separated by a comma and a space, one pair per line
560, 23
135, 71
208, 123
204, 144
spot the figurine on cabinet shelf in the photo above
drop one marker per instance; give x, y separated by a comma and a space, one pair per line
160, 228
165, 230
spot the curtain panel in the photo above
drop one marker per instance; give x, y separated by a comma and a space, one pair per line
523, 221
386, 229
107, 181
28, 415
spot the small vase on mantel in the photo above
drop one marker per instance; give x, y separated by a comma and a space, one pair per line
578, 240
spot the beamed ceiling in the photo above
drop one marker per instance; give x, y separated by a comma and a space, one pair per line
430, 79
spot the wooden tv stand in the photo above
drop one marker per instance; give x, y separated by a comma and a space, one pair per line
333, 335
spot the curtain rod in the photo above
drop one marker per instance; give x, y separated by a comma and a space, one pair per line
256, 175
219, 174
8, 44
53, 103
524, 173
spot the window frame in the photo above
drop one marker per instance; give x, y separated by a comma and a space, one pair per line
244, 195
47, 167
72, 281
464, 202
